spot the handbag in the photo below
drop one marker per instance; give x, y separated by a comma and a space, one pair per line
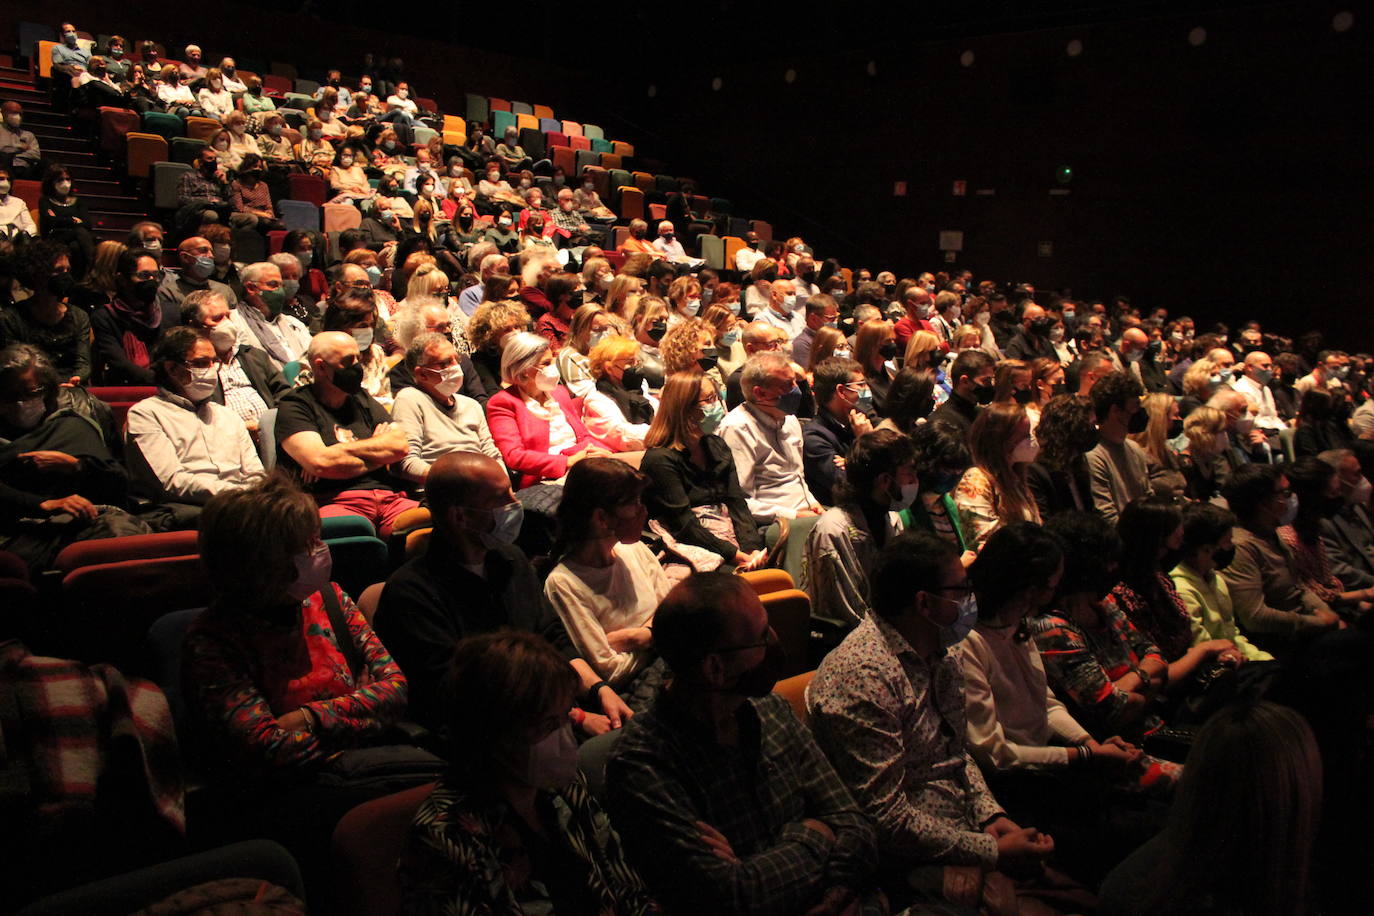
388, 767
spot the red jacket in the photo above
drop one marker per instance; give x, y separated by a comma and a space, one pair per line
523, 438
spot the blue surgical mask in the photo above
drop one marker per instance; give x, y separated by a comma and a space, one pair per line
711, 417
790, 400
954, 633
505, 523
865, 403
730, 337
734, 307
374, 275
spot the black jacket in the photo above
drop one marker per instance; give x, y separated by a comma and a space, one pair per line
265, 378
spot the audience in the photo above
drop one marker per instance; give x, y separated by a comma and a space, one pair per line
683, 780
248, 383
1118, 468
842, 395
129, 324
436, 417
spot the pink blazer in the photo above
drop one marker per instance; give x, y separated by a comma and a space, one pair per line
523, 438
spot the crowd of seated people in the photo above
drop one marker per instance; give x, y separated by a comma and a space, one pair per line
1066, 555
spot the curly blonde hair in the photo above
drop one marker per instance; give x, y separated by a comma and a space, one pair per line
682, 341
494, 319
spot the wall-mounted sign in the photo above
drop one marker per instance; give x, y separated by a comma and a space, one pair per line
951, 240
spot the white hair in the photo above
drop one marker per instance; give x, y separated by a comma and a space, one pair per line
283, 260
255, 272
522, 351
408, 323
759, 368
533, 261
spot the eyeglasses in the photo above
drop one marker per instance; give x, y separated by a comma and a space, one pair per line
769, 639
200, 362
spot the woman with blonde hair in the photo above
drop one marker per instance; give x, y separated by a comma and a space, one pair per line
994, 492
684, 297
624, 291
99, 285
694, 496
1166, 469
488, 329
241, 142
1200, 382
727, 331
758, 294
589, 326
1012, 382
597, 279
650, 324
1204, 432
875, 345
616, 410
923, 351
684, 347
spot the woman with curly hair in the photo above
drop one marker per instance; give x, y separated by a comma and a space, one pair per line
1058, 478
488, 329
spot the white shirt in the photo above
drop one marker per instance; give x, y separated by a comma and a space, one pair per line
746, 258
407, 105
605, 421
216, 104
15, 217
593, 601
1262, 399
188, 454
234, 84
561, 434
793, 323
768, 461
294, 336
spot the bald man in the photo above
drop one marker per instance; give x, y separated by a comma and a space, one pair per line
1249, 444
1032, 339
339, 440
472, 579
1136, 354
197, 260
1253, 383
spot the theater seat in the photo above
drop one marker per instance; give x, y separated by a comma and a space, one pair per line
115, 125
712, 251
187, 151
107, 608
579, 142
500, 120
551, 126
309, 188
789, 614
543, 113
592, 132
526, 122
367, 602
476, 108
572, 128
115, 550
358, 562
623, 149
563, 157
586, 158
602, 146
366, 845
198, 128
643, 180
793, 690
762, 229
601, 180
522, 108
631, 204
163, 124
166, 176
340, 217
299, 214
733, 244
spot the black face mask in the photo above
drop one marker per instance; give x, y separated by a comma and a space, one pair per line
1138, 422
145, 291
887, 350
1223, 558
707, 363
60, 285
657, 330
349, 380
1175, 429
983, 393
1023, 395
633, 379
575, 300
1171, 558
809, 276
1041, 327
1058, 388
771, 276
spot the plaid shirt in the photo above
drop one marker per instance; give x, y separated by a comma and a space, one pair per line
893, 724
239, 394
195, 186
667, 772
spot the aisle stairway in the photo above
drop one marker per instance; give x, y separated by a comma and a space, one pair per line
114, 210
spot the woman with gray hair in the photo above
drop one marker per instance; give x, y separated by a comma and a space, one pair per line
533, 419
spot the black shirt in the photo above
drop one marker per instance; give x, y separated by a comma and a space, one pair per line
433, 602
356, 418
23, 485
957, 411
677, 484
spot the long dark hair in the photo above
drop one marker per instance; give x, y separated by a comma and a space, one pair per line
593, 483
1144, 526
1308, 478
1016, 557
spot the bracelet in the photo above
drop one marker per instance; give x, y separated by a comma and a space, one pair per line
593, 690
1084, 752
578, 715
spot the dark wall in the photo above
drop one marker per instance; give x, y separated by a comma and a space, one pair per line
1226, 180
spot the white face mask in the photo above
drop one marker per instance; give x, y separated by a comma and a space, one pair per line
450, 380
202, 384
789, 302
1026, 451
906, 498
4, 187
693, 306
223, 336
955, 312
24, 414
364, 338
548, 378
840, 354
1360, 493
312, 573
552, 761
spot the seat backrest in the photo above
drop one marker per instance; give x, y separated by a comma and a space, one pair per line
665, 183
579, 142
496, 104
551, 125
476, 108
106, 609
520, 108
762, 229
500, 120
789, 614
115, 124
276, 83
543, 112
623, 149
554, 138
712, 251
793, 690
367, 602
586, 157
657, 213
134, 547
591, 131
720, 205
267, 438
338, 217
532, 140
563, 157
602, 146
166, 176
611, 161
299, 214
524, 121
186, 150
27, 190
733, 244
631, 203
366, 845
164, 641
358, 562
601, 180
572, 128
198, 128
160, 122
620, 178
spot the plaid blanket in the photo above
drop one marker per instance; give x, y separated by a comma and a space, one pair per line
67, 729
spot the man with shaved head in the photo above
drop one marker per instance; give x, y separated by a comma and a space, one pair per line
1032, 339
339, 440
1137, 357
1253, 383
473, 579
197, 264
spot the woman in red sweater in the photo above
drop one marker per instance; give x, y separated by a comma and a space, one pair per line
535, 422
